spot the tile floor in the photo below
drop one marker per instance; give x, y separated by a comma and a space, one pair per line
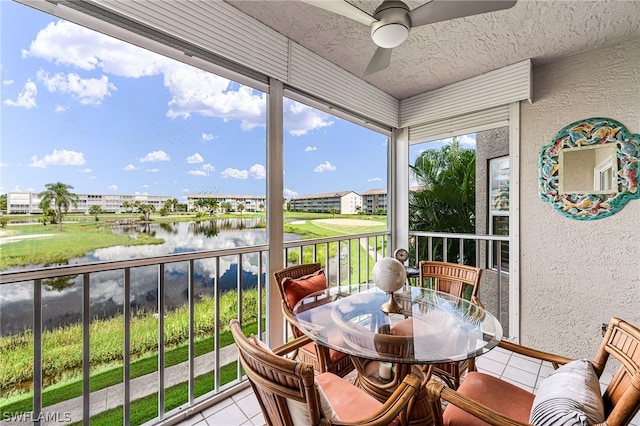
243, 409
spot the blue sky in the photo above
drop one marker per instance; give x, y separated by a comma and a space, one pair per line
108, 117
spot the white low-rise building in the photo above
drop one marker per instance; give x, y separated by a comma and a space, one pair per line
251, 203
374, 200
344, 202
29, 202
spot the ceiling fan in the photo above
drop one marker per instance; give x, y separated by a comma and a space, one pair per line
392, 21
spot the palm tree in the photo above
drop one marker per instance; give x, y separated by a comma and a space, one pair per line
213, 204
240, 207
171, 204
95, 210
446, 200
146, 210
58, 194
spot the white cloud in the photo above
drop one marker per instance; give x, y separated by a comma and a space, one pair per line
65, 43
195, 158
26, 98
310, 148
7, 82
300, 119
85, 170
234, 173
60, 109
145, 186
129, 167
206, 137
258, 171
468, 141
325, 167
288, 193
113, 188
152, 170
155, 156
89, 91
192, 90
375, 179
185, 190
204, 171
61, 157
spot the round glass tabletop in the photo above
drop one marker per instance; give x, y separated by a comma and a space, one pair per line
432, 327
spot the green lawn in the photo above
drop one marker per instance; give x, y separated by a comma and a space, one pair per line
82, 234
145, 409
72, 389
75, 240
62, 347
62, 352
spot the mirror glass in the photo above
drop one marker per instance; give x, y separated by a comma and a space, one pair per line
588, 169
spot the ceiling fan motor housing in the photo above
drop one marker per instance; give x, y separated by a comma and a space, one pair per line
393, 25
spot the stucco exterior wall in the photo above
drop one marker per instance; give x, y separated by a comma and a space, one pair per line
575, 275
490, 144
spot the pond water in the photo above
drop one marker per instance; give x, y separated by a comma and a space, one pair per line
62, 298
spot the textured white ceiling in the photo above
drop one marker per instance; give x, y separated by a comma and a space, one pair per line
446, 52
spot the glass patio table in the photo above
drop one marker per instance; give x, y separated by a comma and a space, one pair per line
431, 327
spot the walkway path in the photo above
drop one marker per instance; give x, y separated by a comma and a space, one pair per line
113, 396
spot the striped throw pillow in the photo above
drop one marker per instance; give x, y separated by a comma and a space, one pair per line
570, 396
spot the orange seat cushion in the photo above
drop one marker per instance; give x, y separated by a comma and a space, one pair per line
350, 403
296, 289
496, 394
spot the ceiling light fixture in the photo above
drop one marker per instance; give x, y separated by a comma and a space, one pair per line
392, 26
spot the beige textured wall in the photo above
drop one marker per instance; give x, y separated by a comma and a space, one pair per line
577, 274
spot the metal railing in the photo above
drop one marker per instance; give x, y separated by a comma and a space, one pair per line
489, 252
347, 259
342, 257
253, 257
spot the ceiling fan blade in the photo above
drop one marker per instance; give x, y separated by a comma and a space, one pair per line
381, 60
443, 10
343, 8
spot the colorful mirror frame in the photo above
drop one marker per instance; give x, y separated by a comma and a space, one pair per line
589, 206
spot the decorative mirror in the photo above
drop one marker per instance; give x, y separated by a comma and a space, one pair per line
590, 169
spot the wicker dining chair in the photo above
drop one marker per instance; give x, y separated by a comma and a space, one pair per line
458, 280
290, 394
322, 358
483, 399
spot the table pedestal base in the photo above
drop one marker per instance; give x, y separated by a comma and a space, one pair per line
419, 410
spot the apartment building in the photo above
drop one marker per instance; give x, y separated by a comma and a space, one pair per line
344, 202
374, 200
251, 203
29, 202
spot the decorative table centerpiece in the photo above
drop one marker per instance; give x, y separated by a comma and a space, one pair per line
389, 275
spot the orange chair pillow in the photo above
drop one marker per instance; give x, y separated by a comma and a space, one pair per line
296, 289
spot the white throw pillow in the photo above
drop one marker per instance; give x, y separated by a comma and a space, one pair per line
570, 396
300, 414
260, 344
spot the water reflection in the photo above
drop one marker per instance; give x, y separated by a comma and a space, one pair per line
60, 296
